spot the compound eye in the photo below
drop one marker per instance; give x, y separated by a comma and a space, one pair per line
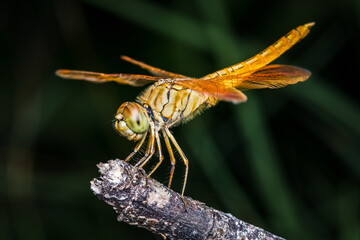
135, 118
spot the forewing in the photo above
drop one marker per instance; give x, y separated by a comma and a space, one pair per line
129, 79
271, 76
153, 70
214, 89
266, 56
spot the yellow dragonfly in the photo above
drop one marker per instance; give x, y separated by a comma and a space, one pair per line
174, 98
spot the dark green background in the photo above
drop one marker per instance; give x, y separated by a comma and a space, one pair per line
288, 160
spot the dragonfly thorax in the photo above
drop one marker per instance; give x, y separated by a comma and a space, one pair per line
131, 121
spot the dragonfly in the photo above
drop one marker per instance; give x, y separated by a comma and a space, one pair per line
174, 98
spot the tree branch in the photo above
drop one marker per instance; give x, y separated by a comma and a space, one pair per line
161, 210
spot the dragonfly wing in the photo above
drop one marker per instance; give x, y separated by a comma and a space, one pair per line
214, 89
266, 56
153, 70
129, 79
271, 76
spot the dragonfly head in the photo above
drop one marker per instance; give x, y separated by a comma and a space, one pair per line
131, 120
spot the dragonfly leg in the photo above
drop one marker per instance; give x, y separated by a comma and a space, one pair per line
172, 158
136, 149
149, 151
184, 158
161, 156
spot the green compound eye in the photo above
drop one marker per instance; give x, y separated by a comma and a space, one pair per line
135, 118
138, 122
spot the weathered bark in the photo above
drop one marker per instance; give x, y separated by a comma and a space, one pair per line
161, 210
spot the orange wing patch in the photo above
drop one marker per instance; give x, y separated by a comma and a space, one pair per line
224, 87
272, 76
213, 88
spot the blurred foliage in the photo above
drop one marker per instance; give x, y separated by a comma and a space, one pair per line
288, 160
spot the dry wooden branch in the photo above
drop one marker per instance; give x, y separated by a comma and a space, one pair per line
161, 210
